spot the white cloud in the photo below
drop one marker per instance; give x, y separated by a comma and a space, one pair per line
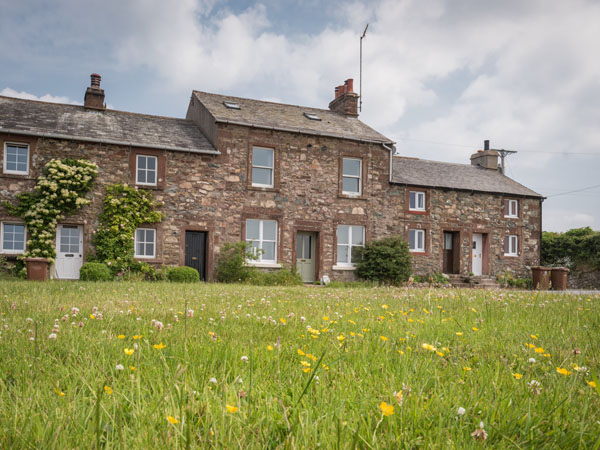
8, 92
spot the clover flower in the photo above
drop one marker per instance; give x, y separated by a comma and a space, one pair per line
461, 411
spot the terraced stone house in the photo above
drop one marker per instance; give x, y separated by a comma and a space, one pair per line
305, 185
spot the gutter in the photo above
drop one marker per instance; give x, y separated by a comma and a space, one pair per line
538, 197
392, 151
106, 141
301, 131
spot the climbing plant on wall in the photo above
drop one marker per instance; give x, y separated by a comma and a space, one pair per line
125, 209
59, 191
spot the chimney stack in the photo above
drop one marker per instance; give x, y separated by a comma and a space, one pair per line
94, 96
486, 158
346, 100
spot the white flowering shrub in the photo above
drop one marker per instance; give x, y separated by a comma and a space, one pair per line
59, 191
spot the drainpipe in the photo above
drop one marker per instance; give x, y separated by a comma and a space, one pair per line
392, 150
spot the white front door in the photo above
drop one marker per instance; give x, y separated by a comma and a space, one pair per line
477, 253
69, 252
305, 255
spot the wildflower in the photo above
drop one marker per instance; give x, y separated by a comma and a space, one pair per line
306, 370
52, 336
159, 325
300, 352
517, 376
576, 351
270, 347
325, 318
386, 410
546, 355
137, 336
428, 347
539, 350
92, 316
563, 371
305, 364
383, 338
461, 411
244, 358
535, 387
131, 368
283, 321
129, 351
172, 420
533, 336
190, 313
399, 397
591, 383
439, 353
231, 409
459, 333
108, 390
213, 380
159, 346
80, 324
532, 360
119, 367
475, 329
480, 433
121, 336
467, 369
59, 392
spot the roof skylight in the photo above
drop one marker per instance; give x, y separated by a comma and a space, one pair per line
232, 105
311, 116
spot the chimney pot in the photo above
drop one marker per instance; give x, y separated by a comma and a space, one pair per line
486, 144
349, 85
345, 101
95, 80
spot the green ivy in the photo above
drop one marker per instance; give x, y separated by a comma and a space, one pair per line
125, 209
59, 191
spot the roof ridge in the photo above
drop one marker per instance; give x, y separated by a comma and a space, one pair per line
82, 107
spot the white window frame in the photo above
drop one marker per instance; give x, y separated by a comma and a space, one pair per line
350, 245
513, 245
511, 203
137, 163
359, 177
416, 241
18, 145
271, 168
12, 251
135, 243
260, 240
418, 195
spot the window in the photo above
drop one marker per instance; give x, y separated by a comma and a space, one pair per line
16, 159
511, 245
146, 170
69, 239
231, 105
416, 240
13, 238
416, 201
262, 234
145, 243
348, 238
311, 116
262, 166
351, 176
511, 208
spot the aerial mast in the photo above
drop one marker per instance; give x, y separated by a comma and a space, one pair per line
360, 76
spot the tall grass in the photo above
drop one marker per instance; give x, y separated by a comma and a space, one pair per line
240, 348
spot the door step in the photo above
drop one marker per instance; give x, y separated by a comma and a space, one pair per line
479, 282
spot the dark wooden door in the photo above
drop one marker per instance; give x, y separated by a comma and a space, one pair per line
195, 251
448, 249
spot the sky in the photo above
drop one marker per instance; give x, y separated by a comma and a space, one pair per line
439, 76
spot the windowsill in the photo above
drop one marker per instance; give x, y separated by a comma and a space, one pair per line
418, 253
263, 189
511, 217
265, 265
352, 197
338, 267
510, 255
416, 211
153, 187
19, 176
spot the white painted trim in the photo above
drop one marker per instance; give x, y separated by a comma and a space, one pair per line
265, 265
11, 252
360, 170
18, 145
135, 242
155, 170
342, 267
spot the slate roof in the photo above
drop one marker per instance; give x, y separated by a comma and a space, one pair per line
420, 172
271, 115
55, 120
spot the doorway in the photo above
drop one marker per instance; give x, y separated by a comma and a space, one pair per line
69, 252
477, 254
195, 251
451, 252
305, 255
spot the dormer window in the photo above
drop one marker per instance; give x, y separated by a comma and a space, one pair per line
311, 116
232, 105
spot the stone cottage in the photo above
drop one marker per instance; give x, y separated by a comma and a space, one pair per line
304, 185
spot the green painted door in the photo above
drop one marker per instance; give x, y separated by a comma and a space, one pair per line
305, 255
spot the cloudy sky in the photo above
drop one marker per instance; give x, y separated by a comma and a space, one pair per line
439, 76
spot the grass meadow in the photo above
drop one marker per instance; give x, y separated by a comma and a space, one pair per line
160, 365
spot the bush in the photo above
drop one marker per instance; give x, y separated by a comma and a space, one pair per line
279, 277
387, 260
579, 247
94, 271
509, 280
183, 274
232, 266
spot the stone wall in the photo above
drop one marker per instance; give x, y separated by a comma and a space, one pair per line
214, 194
578, 279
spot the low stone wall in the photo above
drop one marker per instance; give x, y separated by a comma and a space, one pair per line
583, 280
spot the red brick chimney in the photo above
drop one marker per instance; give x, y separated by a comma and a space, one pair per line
94, 96
346, 100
